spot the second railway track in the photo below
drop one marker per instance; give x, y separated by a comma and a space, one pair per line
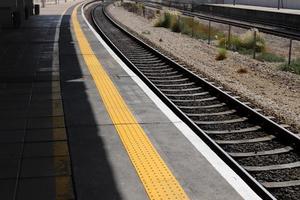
258, 149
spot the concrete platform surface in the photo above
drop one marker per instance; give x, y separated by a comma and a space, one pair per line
260, 8
288, 19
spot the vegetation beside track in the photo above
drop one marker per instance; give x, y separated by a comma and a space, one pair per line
294, 67
244, 43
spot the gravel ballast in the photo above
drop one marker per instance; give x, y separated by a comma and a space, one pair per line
275, 91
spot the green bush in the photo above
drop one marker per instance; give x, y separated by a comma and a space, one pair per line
175, 26
247, 41
169, 20
186, 25
137, 8
222, 54
233, 44
194, 28
244, 42
164, 20
270, 57
294, 67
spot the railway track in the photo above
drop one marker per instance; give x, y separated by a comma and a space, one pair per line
262, 152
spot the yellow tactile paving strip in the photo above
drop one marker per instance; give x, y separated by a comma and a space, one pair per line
158, 180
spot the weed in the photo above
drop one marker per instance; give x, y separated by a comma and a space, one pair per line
244, 51
194, 28
247, 41
138, 8
175, 26
270, 57
185, 25
294, 67
146, 32
244, 43
222, 54
164, 20
242, 71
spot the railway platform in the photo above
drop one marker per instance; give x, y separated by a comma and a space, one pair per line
283, 18
261, 8
76, 123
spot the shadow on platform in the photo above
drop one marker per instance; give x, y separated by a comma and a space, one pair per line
92, 172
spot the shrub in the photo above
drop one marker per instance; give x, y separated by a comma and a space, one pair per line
294, 67
244, 43
222, 54
166, 20
175, 26
137, 8
185, 25
233, 44
242, 71
270, 57
247, 41
157, 22
194, 28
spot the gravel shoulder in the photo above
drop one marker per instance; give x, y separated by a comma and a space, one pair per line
275, 91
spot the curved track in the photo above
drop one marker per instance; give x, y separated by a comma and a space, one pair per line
259, 150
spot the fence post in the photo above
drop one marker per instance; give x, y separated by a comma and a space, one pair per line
229, 37
254, 44
209, 31
290, 52
193, 27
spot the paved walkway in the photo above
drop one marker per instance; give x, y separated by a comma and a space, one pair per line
34, 151
261, 8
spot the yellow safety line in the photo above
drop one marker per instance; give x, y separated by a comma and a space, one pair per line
158, 180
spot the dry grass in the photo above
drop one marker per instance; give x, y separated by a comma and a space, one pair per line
138, 8
186, 25
244, 42
242, 71
222, 54
294, 67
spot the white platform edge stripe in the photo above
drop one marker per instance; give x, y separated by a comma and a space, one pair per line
224, 170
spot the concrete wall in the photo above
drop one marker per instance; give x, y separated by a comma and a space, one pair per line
292, 4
